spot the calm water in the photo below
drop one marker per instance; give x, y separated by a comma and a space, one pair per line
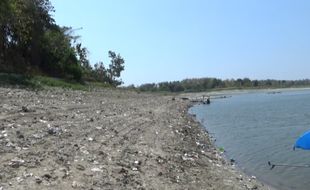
256, 128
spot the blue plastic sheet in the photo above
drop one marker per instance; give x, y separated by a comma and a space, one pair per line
303, 142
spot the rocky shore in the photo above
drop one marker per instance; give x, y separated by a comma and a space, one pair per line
107, 139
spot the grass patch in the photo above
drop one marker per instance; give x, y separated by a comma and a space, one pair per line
16, 80
41, 82
221, 149
56, 82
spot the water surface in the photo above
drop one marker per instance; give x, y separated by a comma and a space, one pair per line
255, 128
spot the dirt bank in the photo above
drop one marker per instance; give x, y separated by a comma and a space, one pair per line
57, 139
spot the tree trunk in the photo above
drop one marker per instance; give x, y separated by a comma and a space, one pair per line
2, 45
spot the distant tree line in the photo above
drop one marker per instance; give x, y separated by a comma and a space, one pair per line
205, 84
32, 43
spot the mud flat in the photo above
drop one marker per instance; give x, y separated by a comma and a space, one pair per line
108, 139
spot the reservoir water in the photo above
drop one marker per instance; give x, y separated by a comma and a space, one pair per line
255, 128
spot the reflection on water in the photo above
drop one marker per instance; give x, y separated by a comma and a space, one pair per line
259, 127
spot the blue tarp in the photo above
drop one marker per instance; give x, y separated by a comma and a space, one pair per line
303, 142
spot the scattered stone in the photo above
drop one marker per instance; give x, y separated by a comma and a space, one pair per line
96, 170
53, 130
80, 167
90, 139
123, 171
19, 135
137, 162
26, 175
25, 109
47, 177
122, 130
19, 179
38, 180
240, 178
75, 184
232, 161
16, 163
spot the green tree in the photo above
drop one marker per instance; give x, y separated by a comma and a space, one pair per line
59, 56
100, 72
115, 68
82, 54
22, 26
5, 14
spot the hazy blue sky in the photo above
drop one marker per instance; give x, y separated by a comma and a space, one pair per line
164, 40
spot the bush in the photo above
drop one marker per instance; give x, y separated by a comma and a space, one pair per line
75, 71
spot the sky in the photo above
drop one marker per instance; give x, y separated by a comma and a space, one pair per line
168, 40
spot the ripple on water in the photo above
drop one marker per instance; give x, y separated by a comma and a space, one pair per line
258, 127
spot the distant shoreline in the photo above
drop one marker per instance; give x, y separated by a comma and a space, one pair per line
221, 93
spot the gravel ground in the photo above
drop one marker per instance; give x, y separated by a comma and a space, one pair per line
108, 139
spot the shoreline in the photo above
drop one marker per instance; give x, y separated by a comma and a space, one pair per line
228, 94
108, 139
234, 169
220, 93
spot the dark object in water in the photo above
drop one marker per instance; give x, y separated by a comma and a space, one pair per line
232, 161
207, 102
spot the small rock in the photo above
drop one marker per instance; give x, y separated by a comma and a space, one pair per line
16, 163
53, 130
19, 135
38, 180
80, 167
96, 170
251, 187
19, 179
75, 184
232, 161
25, 109
123, 171
137, 162
240, 178
28, 175
90, 139
42, 121
47, 176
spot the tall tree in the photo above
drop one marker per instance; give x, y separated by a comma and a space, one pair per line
22, 26
5, 14
115, 68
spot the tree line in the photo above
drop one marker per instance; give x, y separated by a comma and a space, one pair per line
205, 84
32, 43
